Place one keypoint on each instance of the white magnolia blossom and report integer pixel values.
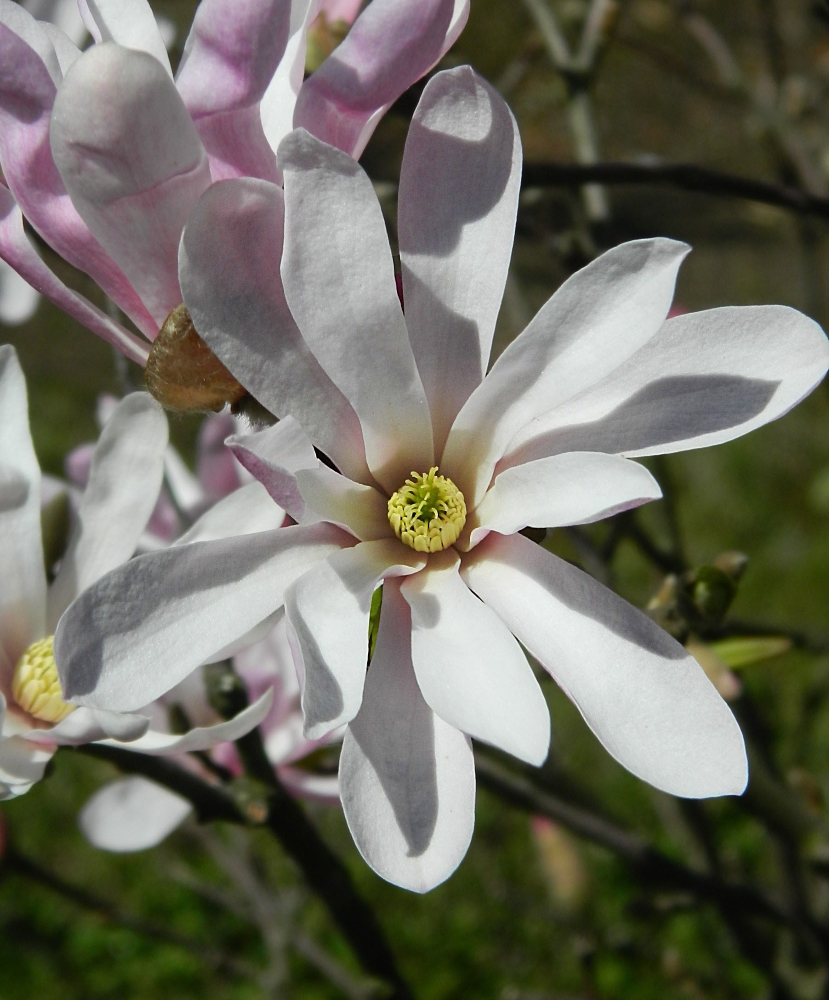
(438, 467)
(123, 485)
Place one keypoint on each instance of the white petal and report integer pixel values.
(229, 270)
(21, 765)
(573, 488)
(705, 378)
(277, 105)
(123, 487)
(470, 669)
(275, 455)
(86, 725)
(131, 814)
(328, 611)
(145, 626)
(130, 23)
(335, 239)
(18, 300)
(407, 779)
(244, 512)
(645, 698)
(22, 577)
(459, 188)
(362, 510)
(157, 744)
(597, 319)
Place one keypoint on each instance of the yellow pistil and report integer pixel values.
(35, 683)
(428, 512)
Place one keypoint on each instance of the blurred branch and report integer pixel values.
(324, 871)
(686, 176)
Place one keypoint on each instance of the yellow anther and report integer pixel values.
(35, 683)
(428, 512)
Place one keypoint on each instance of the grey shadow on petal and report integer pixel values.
(675, 408)
(328, 701)
(464, 185)
(14, 490)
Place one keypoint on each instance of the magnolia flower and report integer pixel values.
(105, 155)
(18, 300)
(124, 480)
(438, 467)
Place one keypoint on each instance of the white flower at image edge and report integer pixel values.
(124, 482)
(544, 439)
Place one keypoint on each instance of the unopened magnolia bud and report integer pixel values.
(182, 372)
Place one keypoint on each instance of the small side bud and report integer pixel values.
(183, 374)
(226, 692)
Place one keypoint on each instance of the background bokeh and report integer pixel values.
(535, 911)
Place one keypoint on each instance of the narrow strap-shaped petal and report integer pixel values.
(131, 814)
(22, 579)
(130, 23)
(216, 467)
(124, 483)
(391, 45)
(145, 626)
(229, 266)
(645, 698)
(21, 765)
(407, 778)
(85, 725)
(597, 319)
(157, 744)
(274, 456)
(328, 613)
(133, 163)
(469, 667)
(19, 253)
(362, 510)
(230, 57)
(279, 100)
(458, 198)
(27, 96)
(339, 284)
(705, 378)
(245, 511)
(573, 488)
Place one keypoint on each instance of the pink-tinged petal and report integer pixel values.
(574, 488)
(124, 482)
(595, 321)
(230, 57)
(705, 378)
(145, 626)
(85, 725)
(157, 744)
(229, 269)
(18, 299)
(279, 100)
(335, 239)
(328, 612)
(131, 814)
(341, 10)
(458, 199)
(362, 510)
(27, 95)
(248, 510)
(407, 778)
(645, 698)
(19, 253)
(274, 456)
(216, 468)
(392, 44)
(469, 667)
(133, 163)
(17, 19)
(23, 589)
(130, 23)
(307, 785)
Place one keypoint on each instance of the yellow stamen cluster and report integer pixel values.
(35, 683)
(428, 512)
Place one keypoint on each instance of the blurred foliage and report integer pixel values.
(535, 913)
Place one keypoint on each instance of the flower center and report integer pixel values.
(428, 512)
(35, 683)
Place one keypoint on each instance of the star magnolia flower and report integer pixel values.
(123, 484)
(439, 467)
(106, 155)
